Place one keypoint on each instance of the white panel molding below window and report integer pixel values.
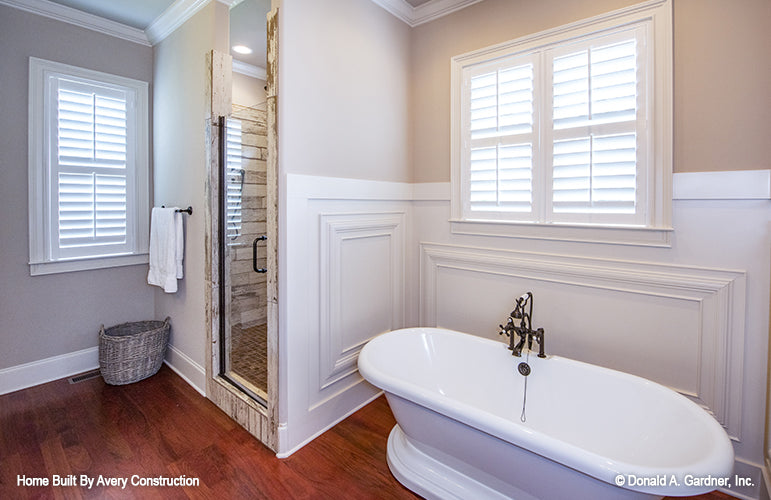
(79, 18)
(717, 294)
(337, 361)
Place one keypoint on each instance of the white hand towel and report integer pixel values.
(166, 241)
(180, 250)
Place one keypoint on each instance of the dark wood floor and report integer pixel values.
(162, 427)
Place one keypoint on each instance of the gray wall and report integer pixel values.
(44, 316)
(180, 109)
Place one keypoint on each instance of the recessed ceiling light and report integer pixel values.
(242, 49)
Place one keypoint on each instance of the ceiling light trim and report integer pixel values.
(79, 18)
(249, 70)
(429, 11)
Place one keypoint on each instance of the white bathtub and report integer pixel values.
(457, 399)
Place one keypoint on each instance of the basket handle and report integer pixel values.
(167, 321)
(101, 330)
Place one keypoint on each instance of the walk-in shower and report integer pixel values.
(243, 250)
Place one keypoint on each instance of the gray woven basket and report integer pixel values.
(130, 352)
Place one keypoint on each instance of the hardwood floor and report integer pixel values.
(162, 427)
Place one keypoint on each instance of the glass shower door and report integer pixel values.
(243, 252)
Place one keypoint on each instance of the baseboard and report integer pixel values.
(190, 371)
(755, 473)
(282, 429)
(46, 370)
(765, 486)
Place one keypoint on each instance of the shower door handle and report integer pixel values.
(260, 270)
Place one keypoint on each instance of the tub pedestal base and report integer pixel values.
(430, 478)
(434, 474)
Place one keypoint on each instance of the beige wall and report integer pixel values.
(248, 91)
(344, 88)
(722, 76)
(180, 111)
(51, 315)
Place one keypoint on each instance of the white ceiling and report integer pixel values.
(149, 21)
(138, 14)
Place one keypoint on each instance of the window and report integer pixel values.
(235, 179)
(569, 127)
(88, 179)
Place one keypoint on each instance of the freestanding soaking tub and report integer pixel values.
(589, 432)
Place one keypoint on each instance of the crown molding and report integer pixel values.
(429, 11)
(249, 70)
(172, 18)
(79, 18)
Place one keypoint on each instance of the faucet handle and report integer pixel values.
(505, 330)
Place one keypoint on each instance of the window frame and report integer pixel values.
(44, 255)
(655, 17)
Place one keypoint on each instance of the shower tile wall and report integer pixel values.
(248, 289)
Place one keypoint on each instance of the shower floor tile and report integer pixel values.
(249, 354)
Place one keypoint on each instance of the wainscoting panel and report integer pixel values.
(676, 325)
(361, 289)
(343, 282)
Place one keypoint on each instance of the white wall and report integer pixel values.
(344, 84)
(180, 112)
(343, 111)
(693, 317)
(52, 321)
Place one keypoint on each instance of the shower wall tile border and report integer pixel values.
(719, 295)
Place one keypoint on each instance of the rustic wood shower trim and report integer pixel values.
(258, 420)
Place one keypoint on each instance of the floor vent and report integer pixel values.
(85, 376)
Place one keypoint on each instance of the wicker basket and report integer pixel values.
(130, 352)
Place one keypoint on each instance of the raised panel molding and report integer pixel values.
(339, 234)
(717, 294)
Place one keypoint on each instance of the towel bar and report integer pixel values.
(188, 210)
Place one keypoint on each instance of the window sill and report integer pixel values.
(66, 266)
(611, 235)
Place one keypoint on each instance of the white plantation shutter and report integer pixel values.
(595, 130)
(501, 125)
(567, 133)
(89, 170)
(558, 134)
(235, 179)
